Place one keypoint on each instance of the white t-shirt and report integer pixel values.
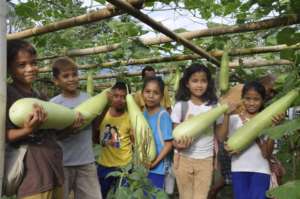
(249, 160)
(203, 146)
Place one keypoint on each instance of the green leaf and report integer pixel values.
(287, 127)
(289, 190)
(114, 174)
(285, 36)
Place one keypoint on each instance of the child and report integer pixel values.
(43, 175)
(161, 126)
(116, 138)
(250, 169)
(193, 159)
(78, 157)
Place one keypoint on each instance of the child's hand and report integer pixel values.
(232, 106)
(79, 120)
(230, 152)
(183, 143)
(277, 119)
(35, 119)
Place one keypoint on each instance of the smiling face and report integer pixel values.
(152, 94)
(197, 84)
(24, 70)
(68, 80)
(252, 101)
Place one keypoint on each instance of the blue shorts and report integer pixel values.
(250, 185)
(157, 180)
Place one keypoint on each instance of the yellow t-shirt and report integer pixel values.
(165, 102)
(116, 145)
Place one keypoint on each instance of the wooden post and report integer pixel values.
(101, 14)
(159, 27)
(3, 10)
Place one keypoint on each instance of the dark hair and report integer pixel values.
(159, 82)
(14, 47)
(147, 68)
(120, 85)
(61, 64)
(254, 85)
(183, 93)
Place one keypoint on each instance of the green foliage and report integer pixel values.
(134, 184)
(288, 127)
(289, 190)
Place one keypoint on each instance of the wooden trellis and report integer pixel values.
(101, 14)
(161, 39)
(216, 53)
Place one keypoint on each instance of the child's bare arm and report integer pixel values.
(32, 123)
(164, 152)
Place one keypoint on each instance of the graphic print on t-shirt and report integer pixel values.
(111, 136)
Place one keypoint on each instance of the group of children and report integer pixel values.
(53, 170)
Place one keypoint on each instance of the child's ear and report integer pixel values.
(54, 80)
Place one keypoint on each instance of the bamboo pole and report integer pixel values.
(3, 10)
(159, 27)
(101, 14)
(232, 65)
(247, 27)
(218, 53)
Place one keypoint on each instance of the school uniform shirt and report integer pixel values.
(43, 166)
(120, 153)
(166, 131)
(203, 146)
(251, 159)
(77, 147)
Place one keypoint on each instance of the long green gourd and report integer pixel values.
(245, 135)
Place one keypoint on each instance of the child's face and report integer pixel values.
(197, 84)
(68, 80)
(118, 99)
(24, 70)
(152, 94)
(252, 101)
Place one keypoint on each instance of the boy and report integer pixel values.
(78, 158)
(115, 137)
(43, 170)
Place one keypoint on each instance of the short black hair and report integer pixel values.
(158, 80)
(254, 85)
(14, 47)
(63, 63)
(120, 85)
(147, 68)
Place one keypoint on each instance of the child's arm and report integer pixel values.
(183, 143)
(164, 152)
(64, 133)
(222, 129)
(32, 123)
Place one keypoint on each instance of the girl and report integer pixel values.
(250, 169)
(193, 160)
(43, 168)
(161, 126)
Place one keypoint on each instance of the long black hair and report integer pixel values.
(183, 93)
(256, 86)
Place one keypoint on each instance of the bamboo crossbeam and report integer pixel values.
(247, 27)
(232, 65)
(218, 53)
(159, 27)
(108, 12)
